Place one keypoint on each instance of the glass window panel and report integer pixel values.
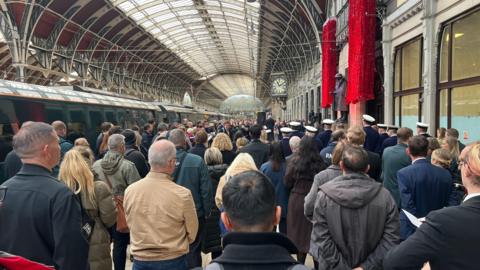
(409, 111)
(138, 16)
(126, 6)
(396, 86)
(466, 112)
(411, 65)
(443, 108)
(400, 2)
(444, 54)
(396, 119)
(156, 8)
(164, 17)
(466, 55)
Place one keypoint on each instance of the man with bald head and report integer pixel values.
(161, 215)
(40, 218)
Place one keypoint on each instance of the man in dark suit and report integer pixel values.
(258, 150)
(393, 159)
(423, 186)
(356, 136)
(270, 123)
(391, 140)
(326, 134)
(449, 237)
(383, 135)
(372, 136)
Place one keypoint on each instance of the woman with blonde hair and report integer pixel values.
(442, 158)
(242, 163)
(224, 144)
(240, 143)
(96, 200)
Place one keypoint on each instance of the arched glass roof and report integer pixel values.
(242, 103)
(234, 84)
(212, 36)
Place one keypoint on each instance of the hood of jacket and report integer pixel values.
(216, 171)
(111, 162)
(352, 190)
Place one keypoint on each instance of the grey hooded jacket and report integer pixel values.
(355, 223)
(119, 171)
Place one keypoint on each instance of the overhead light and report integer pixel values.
(459, 35)
(251, 1)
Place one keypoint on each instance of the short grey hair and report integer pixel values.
(294, 142)
(115, 141)
(31, 138)
(177, 137)
(158, 158)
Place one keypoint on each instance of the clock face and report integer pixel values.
(279, 86)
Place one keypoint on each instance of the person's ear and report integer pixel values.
(278, 215)
(368, 168)
(342, 165)
(226, 221)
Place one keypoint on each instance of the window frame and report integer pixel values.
(450, 84)
(411, 91)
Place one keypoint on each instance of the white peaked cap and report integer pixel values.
(328, 121)
(295, 124)
(422, 125)
(311, 129)
(368, 118)
(286, 130)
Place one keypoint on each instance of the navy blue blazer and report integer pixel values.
(448, 240)
(285, 142)
(371, 140)
(297, 133)
(423, 188)
(390, 141)
(324, 137)
(381, 139)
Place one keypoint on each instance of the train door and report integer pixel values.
(96, 120)
(77, 122)
(110, 116)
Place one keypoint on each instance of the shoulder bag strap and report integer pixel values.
(108, 181)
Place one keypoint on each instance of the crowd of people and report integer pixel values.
(359, 197)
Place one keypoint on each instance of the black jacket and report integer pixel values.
(258, 150)
(212, 241)
(199, 150)
(135, 156)
(448, 240)
(256, 251)
(41, 220)
(375, 165)
(13, 163)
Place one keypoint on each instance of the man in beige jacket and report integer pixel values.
(161, 215)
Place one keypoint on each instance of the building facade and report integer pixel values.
(432, 65)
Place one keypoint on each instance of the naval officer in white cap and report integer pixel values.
(285, 142)
(422, 129)
(324, 137)
(312, 132)
(372, 137)
(382, 131)
(296, 126)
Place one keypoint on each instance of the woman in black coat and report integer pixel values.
(301, 169)
(212, 241)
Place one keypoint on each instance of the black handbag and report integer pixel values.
(88, 223)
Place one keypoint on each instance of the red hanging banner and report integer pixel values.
(329, 61)
(361, 50)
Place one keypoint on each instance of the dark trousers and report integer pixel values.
(283, 225)
(120, 243)
(194, 256)
(179, 263)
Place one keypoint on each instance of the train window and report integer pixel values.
(110, 116)
(8, 127)
(76, 125)
(96, 120)
(121, 118)
(54, 114)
